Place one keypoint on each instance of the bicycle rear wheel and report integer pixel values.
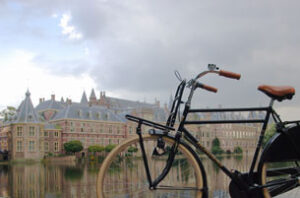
(123, 174)
(282, 179)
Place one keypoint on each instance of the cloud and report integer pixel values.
(134, 46)
(68, 29)
(22, 73)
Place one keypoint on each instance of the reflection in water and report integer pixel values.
(57, 181)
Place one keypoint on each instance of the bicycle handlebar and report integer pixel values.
(229, 74)
(207, 87)
(214, 69)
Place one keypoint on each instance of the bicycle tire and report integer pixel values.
(272, 172)
(185, 174)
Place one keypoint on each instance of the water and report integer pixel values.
(79, 180)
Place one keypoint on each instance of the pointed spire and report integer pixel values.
(84, 100)
(93, 95)
(93, 99)
(26, 111)
(27, 94)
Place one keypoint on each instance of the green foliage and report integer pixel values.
(8, 113)
(95, 148)
(238, 150)
(109, 147)
(132, 149)
(73, 146)
(271, 130)
(216, 149)
(216, 142)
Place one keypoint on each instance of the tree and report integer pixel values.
(95, 148)
(109, 147)
(7, 113)
(238, 150)
(132, 149)
(73, 146)
(271, 130)
(216, 149)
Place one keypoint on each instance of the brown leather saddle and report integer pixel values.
(278, 92)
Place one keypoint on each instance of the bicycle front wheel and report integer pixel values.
(123, 174)
(282, 179)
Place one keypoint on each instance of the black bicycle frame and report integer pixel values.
(183, 132)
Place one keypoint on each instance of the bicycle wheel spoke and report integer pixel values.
(125, 175)
(281, 179)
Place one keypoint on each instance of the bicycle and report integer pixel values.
(165, 162)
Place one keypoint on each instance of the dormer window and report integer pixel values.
(98, 115)
(79, 113)
(105, 116)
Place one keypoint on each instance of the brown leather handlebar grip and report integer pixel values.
(229, 74)
(209, 88)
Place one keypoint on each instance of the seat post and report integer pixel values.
(271, 102)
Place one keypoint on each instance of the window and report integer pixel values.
(118, 130)
(19, 146)
(110, 129)
(46, 133)
(31, 146)
(130, 130)
(46, 146)
(56, 134)
(56, 146)
(19, 131)
(31, 131)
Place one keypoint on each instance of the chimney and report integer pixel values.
(52, 97)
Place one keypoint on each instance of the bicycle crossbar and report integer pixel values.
(229, 109)
(225, 121)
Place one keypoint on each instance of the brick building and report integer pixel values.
(35, 132)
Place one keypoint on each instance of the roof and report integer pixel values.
(26, 111)
(83, 112)
(127, 104)
(93, 95)
(84, 100)
(50, 104)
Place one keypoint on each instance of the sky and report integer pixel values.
(131, 48)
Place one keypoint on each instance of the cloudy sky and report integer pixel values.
(130, 49)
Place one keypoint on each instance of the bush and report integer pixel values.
(216, 149)
(95, 148)
(132, 149)
(109, 147)
(238, 150)
(73, 146)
